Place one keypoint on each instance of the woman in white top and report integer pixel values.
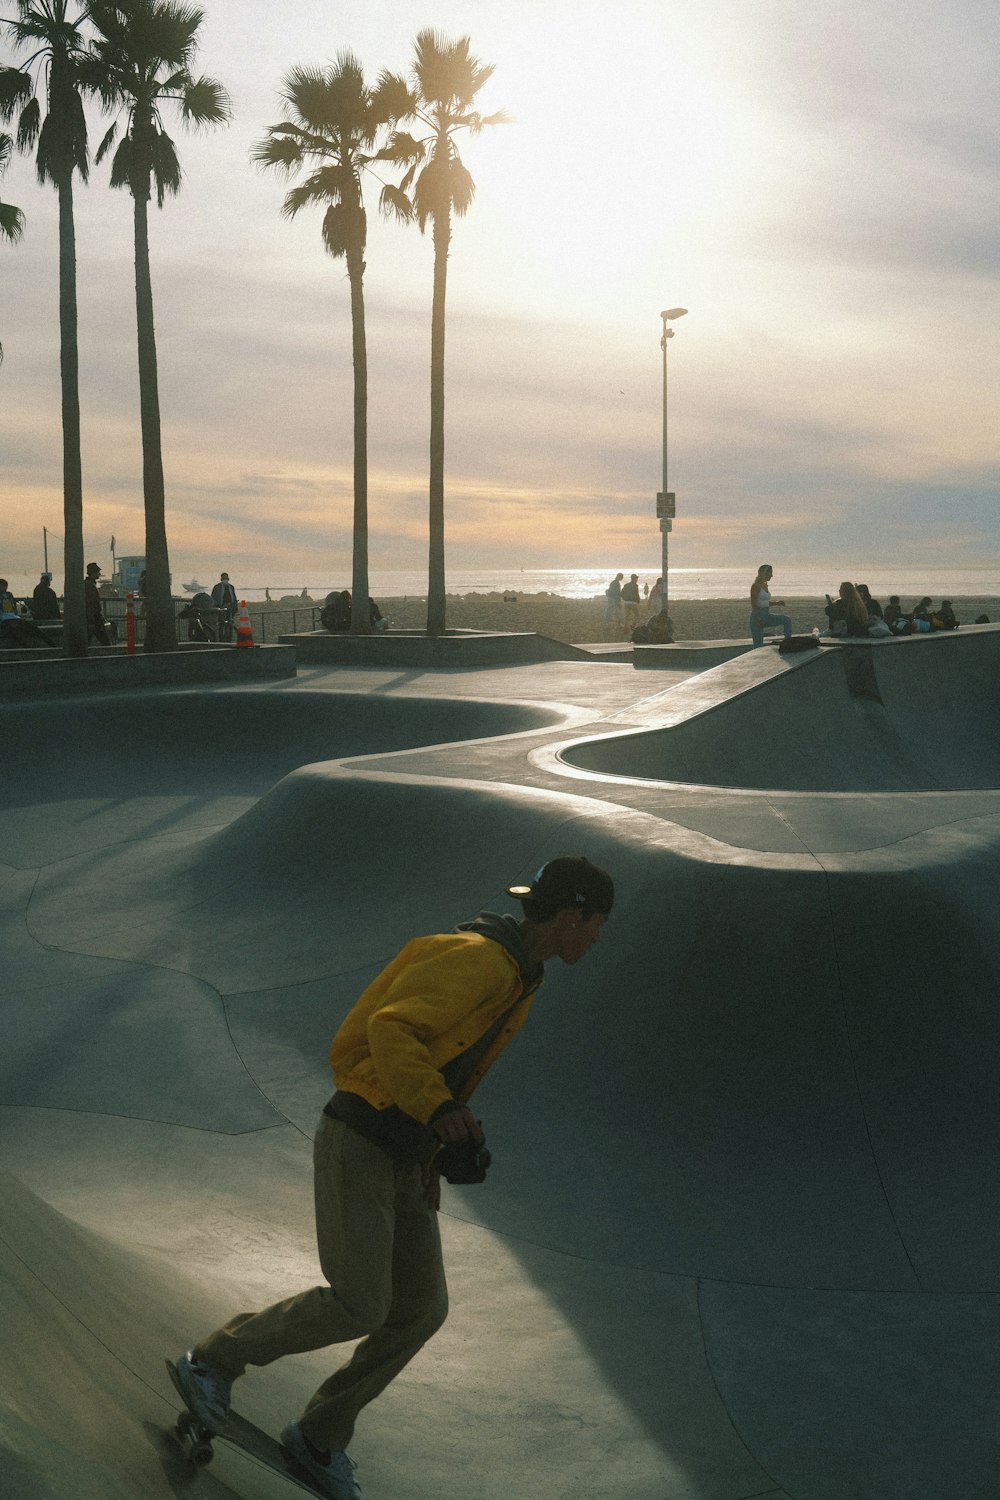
(760, 606)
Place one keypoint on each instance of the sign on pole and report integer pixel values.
(666, 505)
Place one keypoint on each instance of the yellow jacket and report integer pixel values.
(433, 1002)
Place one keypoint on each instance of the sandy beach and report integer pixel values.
(582, 621)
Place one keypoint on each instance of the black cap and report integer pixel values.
(566, 882)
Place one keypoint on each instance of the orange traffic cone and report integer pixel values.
(244, 634)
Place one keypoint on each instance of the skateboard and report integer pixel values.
(196, 1438)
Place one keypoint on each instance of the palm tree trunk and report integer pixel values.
(74, 607)
(436, 607)
(161, 626)
(361, 623)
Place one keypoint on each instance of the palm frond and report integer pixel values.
(166, 166)
(11, 222)
(344, 229)
(28, 125)
(461, 187)
(205, 102)
(394, 204)
(446, 72)
(329, 184)
(283, 152)
(16, 90)
(109, 139)
(392, 98)
(121, 164)
(401, 148)
(477, 122)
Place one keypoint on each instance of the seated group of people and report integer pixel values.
(336, 614)
(17, 629)
(855, 613)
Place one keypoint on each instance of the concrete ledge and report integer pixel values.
(697, 654)
(44, 674)
(414, 648)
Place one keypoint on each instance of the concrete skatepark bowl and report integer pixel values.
(742, 1235)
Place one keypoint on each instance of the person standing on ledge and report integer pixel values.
(760, 606)
(405, 1063)
(225, 600)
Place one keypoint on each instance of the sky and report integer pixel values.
(816, 184)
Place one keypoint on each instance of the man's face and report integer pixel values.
(575, 936)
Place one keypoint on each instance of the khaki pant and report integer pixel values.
(380, 1250)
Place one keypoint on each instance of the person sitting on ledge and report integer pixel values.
(945, 617)
(336, 616)
(659, 631)
(894, 617)
(920, 615)
(15, 630)
(848, 613)
(44, 603)
(872, 605)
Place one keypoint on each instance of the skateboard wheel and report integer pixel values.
(185, 1422)
(201, 1454)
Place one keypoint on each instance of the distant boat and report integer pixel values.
(195, 588)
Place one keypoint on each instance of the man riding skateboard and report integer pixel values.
(405, 1062)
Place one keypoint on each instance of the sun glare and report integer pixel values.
(629, 146)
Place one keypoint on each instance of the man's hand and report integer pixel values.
(458, 1125)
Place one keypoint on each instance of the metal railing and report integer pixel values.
(268, 621)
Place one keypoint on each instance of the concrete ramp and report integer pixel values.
(741, 1237)
(921, 713)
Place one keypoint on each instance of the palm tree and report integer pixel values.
(334, 127)
(447, 79)
(141, 59)
(11, 218)
(55, 38)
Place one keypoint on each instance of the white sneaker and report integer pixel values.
(335, 1477)
(207, 1391)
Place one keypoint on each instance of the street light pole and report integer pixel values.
(665, 502)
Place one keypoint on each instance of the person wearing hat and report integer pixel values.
(405, 1063)
(97, 629)
(44, 604)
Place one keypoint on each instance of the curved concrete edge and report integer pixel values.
(689, 918)
(456, 648)
(115, 671)
(917, 714)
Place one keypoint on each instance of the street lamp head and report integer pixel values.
(673, 312)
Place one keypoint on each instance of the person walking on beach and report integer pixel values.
(225, 600)
(761, 604)
(613, 594)
(405, 1062)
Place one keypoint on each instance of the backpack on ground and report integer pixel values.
(793, 643)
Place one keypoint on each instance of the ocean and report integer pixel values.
(791, 582)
